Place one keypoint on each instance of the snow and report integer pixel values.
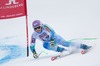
(72, 19)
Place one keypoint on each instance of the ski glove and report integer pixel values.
(52, 43)
(35, 55)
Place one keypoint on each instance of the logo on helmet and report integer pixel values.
(35, 24)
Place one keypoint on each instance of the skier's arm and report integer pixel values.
(32, 47)
(32, 44)
(49, 29)
(52, 32)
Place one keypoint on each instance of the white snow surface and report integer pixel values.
(70, 19)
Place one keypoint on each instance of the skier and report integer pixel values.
(50, 39)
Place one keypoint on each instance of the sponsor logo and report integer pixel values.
(11, 2)
(12, 8)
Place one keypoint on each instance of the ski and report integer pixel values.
(60, 56)
(54, 57)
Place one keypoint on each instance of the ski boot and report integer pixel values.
(85, 48)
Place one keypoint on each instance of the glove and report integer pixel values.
(35, 55)
(52, 44)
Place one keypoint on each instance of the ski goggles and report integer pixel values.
(37, 28)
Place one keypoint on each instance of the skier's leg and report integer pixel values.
(59, 40)
(74, 46)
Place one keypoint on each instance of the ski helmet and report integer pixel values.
(36, 23)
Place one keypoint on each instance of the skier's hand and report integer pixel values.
(35, 55)
(52, 44)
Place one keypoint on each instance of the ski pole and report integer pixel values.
(41, 53)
